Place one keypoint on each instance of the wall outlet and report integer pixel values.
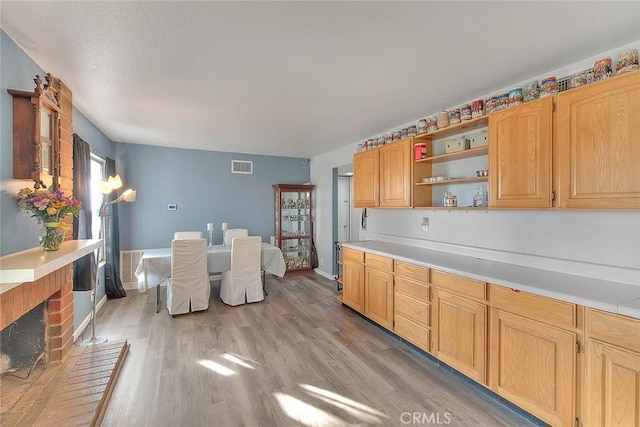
(424, 224)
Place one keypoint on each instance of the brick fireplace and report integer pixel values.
(56, 289)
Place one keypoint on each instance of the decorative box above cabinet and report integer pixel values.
(36, 133)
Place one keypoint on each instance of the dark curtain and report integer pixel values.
(84, 271)
(113, 284)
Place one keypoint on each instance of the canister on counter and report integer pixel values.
(531, 91)
(477, 108)
(515, 96)
(466, 112)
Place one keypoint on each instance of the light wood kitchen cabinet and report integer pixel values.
(533, 354)
(396, 176)
(378, 296)
(353, 279)
(520, 152)
(598, 140)
(411, 304)
(612, 384)
(366, 179)
(459, 323)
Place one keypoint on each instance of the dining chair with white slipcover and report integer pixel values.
(187, 235)
(243, 283)
(188, 288)
(234, 232)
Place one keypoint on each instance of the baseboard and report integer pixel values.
(324, 274)
(133, 286)
(87, 320)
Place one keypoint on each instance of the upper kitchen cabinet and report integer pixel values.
(395, 174)
(366, 179)
(598, 145)
(36, 133)
(520, 151)
(383, 177)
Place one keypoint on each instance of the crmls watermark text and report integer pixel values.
(426, 418)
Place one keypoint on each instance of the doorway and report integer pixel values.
(342, 215)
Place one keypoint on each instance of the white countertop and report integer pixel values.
(613, 297)
(32, 264)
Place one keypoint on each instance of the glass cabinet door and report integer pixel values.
(293, 230)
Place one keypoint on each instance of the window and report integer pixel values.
(97, 176)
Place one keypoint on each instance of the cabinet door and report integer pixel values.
(612, 386)
(520, 156)
(353, 286)
(598, 137)
(366, 179)
(459, 333)
(378, 297)
(533, 365)
(396, 178)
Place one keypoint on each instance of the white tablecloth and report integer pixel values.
(155, 265)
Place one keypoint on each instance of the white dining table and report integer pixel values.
(155, 264)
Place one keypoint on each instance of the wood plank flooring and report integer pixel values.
(297, 358)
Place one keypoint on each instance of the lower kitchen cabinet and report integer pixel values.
(378, 297)
(533, 355)
(353, 279)
(612, 381)
(459, 323)
(411, 303)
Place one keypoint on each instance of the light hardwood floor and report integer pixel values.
(297, 358)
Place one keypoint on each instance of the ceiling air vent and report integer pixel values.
(241, 166)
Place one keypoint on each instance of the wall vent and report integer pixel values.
(241, 166)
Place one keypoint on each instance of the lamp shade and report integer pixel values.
(129, 195)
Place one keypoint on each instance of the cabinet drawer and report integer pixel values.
(410, 271)
(412, 332)
(543, 309)
(378, 262)
(460, 285)
(411, 308)
(412, 289)
(616, 329)
(352, 254)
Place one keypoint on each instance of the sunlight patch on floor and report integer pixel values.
(305, 413)
(359, 410)
(235, 359)
(216, 367)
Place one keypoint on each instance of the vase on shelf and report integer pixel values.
(51, 236)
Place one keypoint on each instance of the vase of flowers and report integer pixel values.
(49, 207)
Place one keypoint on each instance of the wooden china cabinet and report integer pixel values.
(36, 133)
(293, 210)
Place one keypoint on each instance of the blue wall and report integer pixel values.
(203, 187)
(18, 230)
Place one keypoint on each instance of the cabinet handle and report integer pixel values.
(515, 290)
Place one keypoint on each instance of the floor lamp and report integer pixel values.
(113, 183)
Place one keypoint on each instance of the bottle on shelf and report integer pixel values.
(479, 199)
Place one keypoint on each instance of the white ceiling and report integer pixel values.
(297, 78)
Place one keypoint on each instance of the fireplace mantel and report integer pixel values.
(32, 264)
